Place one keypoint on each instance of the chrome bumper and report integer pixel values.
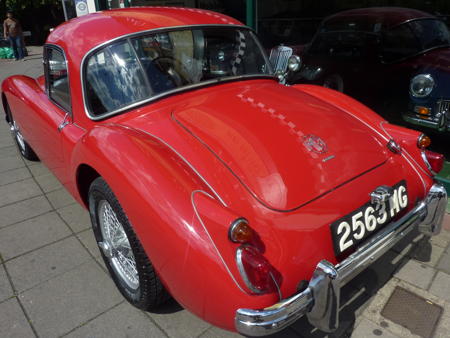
(441, 124)
(320, 300)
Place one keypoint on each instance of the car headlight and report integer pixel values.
(421, 85)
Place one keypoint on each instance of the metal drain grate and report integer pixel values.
(417, 314)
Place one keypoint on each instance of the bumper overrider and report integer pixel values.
(321, 299)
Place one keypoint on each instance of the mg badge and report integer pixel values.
(314, 143)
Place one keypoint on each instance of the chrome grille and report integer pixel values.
(279, 57)
(444, 107)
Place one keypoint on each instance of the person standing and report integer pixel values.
(13, 31)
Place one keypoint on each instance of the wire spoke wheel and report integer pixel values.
(116, 246)
(24, 148)
(123, 254)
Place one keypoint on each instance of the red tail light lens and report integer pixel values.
(434, 161)
(256, 270)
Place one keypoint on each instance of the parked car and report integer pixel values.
(250, 202)
(396, 60)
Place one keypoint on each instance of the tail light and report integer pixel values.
(434, 161)
(256, 270)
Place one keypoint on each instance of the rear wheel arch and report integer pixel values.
(137, 282)
(4, 103)
(84, 178)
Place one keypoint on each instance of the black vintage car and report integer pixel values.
(396, 60)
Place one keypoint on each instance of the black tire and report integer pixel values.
(335, 82)
(24, 148)
(150, 293)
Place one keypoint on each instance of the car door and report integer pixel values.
(57, 113)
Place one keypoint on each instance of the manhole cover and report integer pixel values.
(413, 312)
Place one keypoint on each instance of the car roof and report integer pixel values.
(386, 16)
(78, 36)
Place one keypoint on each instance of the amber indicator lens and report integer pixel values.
(423, 110)
(240, 231)
(423, 142)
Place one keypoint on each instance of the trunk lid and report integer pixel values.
(286, 147)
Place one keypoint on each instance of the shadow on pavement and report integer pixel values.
(357, 294)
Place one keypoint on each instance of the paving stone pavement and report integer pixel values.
(54, 284)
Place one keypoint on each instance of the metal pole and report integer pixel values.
(65, 10)
(256, 16)
(250, 15)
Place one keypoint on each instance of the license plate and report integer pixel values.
(350, 230)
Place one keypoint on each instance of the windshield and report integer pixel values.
(414, 37)
(134, 70)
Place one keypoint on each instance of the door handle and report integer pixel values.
(64, 123)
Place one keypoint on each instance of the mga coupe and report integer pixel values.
(402, 54)
(250, 202)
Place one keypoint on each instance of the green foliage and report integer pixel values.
(19, 5)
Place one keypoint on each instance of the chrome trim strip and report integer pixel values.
(408, 158)
(320, 300)
(424, 158)
(210, 238)
(168, 93)
(77, 125)
(181, 156)
(424, 185)
(242, 270)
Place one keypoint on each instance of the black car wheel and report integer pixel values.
(122, 251)
(24, 148)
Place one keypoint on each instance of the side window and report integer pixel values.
(114, 79)
(57, 78)
(399, 43)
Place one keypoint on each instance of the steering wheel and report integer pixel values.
(174, 68)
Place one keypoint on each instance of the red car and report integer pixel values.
(250, 202)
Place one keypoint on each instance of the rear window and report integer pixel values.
(131, 71)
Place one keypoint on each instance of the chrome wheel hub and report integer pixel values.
(116, 247)
(17, 134)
